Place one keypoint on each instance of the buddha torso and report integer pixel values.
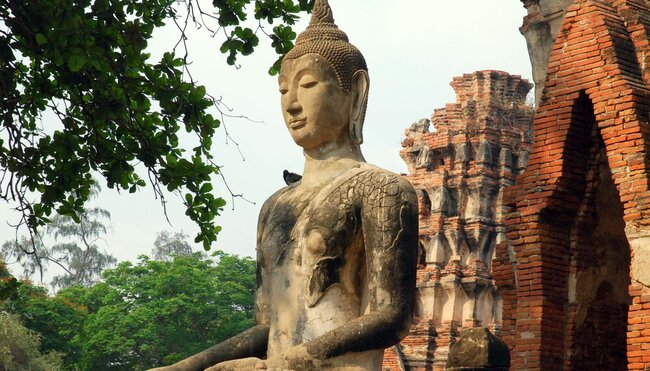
(311, 247)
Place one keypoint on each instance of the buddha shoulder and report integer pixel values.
(379, 183)
(270, 202)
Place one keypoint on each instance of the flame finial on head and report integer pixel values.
(321, 13)
(324, 38)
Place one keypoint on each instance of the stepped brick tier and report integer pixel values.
(574, 273)
(477, 147)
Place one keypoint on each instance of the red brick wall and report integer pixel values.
(600, 59)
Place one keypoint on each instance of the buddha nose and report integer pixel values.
(294, 107)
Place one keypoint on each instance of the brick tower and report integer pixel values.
(476, 148)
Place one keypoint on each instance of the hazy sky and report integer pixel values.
(413, 49)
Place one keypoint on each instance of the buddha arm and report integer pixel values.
(250, 343)
(390, 228)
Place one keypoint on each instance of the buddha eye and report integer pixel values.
(284, 91)
(308, 84)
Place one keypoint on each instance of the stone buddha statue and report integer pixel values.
(337, 250)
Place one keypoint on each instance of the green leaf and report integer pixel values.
(41, 39)
(206, 188)
(76, 62)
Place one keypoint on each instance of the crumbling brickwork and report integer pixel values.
(578, 239)
(476, 148)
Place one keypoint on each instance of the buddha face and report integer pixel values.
(315, 109)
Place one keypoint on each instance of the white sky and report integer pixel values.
(413, 49)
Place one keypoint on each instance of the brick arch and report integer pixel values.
(594, 54)
(599, 56)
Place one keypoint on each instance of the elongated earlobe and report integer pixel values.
(360, 87)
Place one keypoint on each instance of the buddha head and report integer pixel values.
(324, 84)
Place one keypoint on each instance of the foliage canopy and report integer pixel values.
(142, 315)
(159, 312)
(79, 94)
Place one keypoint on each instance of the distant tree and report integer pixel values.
(29, 254)
(79, 256)
(19, 348)
(82, 258)
(167, 245)
(79, 94)
(84, 266)
(158, 312)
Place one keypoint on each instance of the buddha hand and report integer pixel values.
(295, 358)
(244, 364)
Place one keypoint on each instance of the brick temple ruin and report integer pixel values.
(459, 164)
(536, 225)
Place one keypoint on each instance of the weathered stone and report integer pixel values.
(478, 349)
(540, 29)
(641, 262)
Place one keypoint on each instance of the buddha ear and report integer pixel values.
(360, 86)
